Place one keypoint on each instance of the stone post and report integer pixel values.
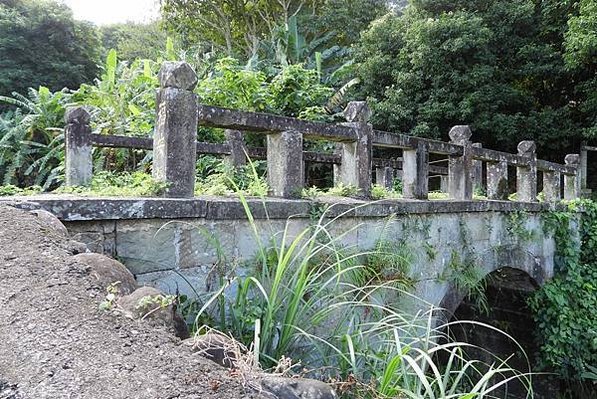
(583, 165)
(460, 182)
(526, 176)
(79, 163)
(415, 172)
(572, 182)
(175, 138)
(384, 176)
(285, 167)
(356, 166)
(552, 186)
(238, 156)
(444, 184)
(477, 171)
(497, 180)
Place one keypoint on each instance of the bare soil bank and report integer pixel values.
(56, 343)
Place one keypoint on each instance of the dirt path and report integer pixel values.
(56, 343)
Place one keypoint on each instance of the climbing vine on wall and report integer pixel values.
(565, 309)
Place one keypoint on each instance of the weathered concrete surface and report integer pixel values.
(175, 141)
(79, 164)
(355, 169)
(526, 176)
(497, 180)
(238, 149)
(174, 251)
(415, 171)
(285, 166)
(552, 186)
(384, 176)
(572, 183)
(460, 168)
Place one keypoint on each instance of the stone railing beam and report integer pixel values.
(175, 139)
(526, 176)
(79, 162)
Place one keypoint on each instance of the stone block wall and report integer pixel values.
(186, 255)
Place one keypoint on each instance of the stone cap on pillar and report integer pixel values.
(357, 111)
(178, 75)
(572, 159)
(460, 134)
(527, 147)
(78, 116)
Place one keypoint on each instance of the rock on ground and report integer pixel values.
(56, 343)
(108, 271)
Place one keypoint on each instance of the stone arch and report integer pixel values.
(515, 272)
(514, 256)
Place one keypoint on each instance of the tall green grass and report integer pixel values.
(307, 291)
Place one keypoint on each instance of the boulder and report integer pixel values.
(216, 347)
(296, 388)
(77, 247)
(107, 271)
(148, 303)
(50, 221)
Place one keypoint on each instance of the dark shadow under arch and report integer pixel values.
(507, 290)
(506, 256)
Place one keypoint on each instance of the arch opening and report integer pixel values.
(504, 307)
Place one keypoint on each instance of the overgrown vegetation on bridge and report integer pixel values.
(310, 305)
(565, 307)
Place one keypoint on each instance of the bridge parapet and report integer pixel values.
(169, 243)
(175, 148)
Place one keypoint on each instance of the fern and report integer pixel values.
(31, 139)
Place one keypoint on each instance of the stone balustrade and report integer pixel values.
(175, 148)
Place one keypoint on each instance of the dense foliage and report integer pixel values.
(135, 41)
(565, 307)
(122, 101)
(41, 44)
(272, 30)
(509, 69)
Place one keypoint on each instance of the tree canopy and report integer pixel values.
(498, 65)
(134, 40)
(41, 44)
(247, 29)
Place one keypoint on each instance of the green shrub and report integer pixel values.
(122, 102)
(123, 184)
(564, 308)
(379, 192)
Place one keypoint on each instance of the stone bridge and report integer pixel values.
(174, 244)
(171, 242)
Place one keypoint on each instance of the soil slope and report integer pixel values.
(56, 343)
